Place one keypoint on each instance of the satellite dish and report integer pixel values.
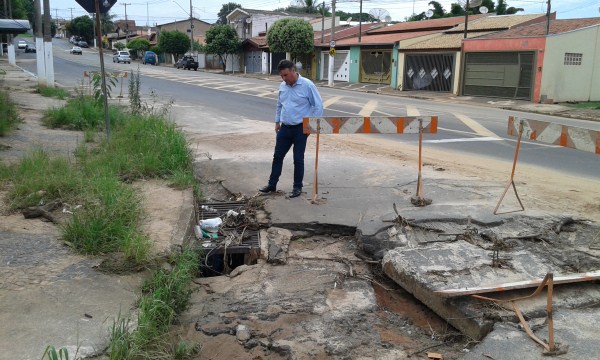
(248, 20)
(429, 13)
(348, 20)
(483, 10)
(379, 14)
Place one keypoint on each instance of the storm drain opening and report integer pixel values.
(228, 234)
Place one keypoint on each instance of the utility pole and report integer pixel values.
(548, 19)
(331, 46)
(39, 43)
(360, 22)
(48, 46)
(191, 31)
(466, 18)
(11, 47)
(126, 25)
(71, 13)
(323, 23)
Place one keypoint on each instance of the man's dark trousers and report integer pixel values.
(286, 137)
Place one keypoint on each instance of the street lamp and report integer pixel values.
(191, 26)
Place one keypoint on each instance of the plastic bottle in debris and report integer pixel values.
(211, 225)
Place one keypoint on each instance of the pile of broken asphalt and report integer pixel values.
(333, 312)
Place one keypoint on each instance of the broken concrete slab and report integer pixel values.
(274, 243)
(572, 328)
(462, 263)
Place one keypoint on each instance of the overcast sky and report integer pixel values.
(164, 11)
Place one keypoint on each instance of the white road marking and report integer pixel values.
(368, 108)
(226, 86)
(463, 140)
(474, 125)
(327, 103)
(412, 111)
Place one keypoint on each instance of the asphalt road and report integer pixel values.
(473, 129)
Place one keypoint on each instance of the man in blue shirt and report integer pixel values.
(298, 98)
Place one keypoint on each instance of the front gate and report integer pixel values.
(432, 72)
(376, 66)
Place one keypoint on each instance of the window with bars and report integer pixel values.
(573, 58)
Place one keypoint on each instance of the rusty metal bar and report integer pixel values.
(512, 175)
(316, 179)
(420, 178)
(549, 311)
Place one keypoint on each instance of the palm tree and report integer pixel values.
(107, 23)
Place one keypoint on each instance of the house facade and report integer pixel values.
(525, 63)
(252, 27)
(200, 27)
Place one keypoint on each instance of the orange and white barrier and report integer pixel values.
(372, 125)
(556, 134)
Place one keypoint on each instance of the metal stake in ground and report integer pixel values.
(512, 175)
(316, 180)
(419, 200)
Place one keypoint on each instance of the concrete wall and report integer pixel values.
(536, 44)
(572, 82)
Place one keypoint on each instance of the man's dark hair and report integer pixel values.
(285, 64)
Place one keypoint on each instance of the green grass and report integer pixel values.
(82, 113)
(594, 105)
(53, 92)
(9, 117)
(164, 296)
(107, 210)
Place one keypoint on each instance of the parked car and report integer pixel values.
(76, 50)
(150, 58)
(122, 57)
(187, 62)
(82, 44)
(30, 48)
(22, 44)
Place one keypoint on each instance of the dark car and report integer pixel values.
(150, 57)
(82, 44)
(29, 48)
(187, 62)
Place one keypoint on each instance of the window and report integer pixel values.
(573, 59)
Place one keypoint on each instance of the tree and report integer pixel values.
(225, 10)
(138, 46)
(107, 23)
(174, 42)
(222, 40)
(82, 26)
(295, 36)
(119, 46)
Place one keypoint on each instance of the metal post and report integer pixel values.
(102, 73)
(331, 58)
(360, 23)
(323, 23)
(548, 19)
(512, 174)
(191, 31)
(316, 180)
(126, 25)
(466, 18)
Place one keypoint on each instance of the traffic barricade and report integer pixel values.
(372, 125)
(549, 133)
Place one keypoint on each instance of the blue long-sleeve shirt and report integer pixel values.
(298, 101)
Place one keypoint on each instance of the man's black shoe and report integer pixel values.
(267, 189)
(295, 193)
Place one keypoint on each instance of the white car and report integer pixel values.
(122, 57)
(22, 44)
(76, 50)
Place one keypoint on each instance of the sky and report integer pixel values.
(150, 12)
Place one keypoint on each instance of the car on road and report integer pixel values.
(76, 50)
(187, 62)
(22, 44)
(29, 48)
(82, 44)
(122, 57)
(150, 58)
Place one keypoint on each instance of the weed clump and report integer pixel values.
(9, 117)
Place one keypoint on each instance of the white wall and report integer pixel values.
(562, 82)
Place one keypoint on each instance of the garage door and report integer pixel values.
(505, 75)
